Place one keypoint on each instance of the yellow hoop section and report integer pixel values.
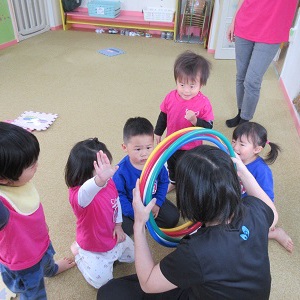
(183, 226)
(164, 142)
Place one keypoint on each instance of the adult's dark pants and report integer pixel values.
(128, 288)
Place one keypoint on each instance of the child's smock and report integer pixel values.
(175, 108)
(96, 222)
(24, 239)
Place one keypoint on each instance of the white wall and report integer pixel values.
(214, 27)
(290, 74)
(54, 13)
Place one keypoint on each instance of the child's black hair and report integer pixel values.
(257, 134)
(19, 149)
(191, 65)
(80, 164)
(137, 126)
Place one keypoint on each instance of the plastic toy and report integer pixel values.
(35, 120)
(171, 237)
(111, 51)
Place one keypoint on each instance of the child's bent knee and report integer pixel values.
(98, 282)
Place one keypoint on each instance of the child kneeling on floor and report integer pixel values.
(248, 141)
(100, 239)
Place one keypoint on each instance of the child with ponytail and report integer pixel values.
(248, 140)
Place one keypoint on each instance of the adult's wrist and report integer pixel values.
(139, 227)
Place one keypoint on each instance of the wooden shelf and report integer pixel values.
(79, 18)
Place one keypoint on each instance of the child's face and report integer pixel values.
(245, 149)
(138, 149)
(187, 89)
(26, 176)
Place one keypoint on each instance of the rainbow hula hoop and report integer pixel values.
(171, 237)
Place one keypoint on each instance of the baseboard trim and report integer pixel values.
(59, 27)
(8, 44)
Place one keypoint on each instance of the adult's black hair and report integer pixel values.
(207, 186)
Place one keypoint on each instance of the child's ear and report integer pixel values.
(258, 149)
(4, 181)
(124, 147)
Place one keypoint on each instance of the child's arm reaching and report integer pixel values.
(252, 187)
(120, 182)
(204, 124)
(104, 171)
(157, 138)
(160, 127)
(162, 183)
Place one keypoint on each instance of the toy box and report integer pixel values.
(158, 14)
(104, 9)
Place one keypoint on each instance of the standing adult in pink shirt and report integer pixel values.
(258, 27)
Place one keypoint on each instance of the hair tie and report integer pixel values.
(268, 142)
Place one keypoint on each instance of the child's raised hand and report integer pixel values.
(119, 234)
(103, 168)
(190, 115)
(141, 212)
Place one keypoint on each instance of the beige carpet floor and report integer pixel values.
(93, 95)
